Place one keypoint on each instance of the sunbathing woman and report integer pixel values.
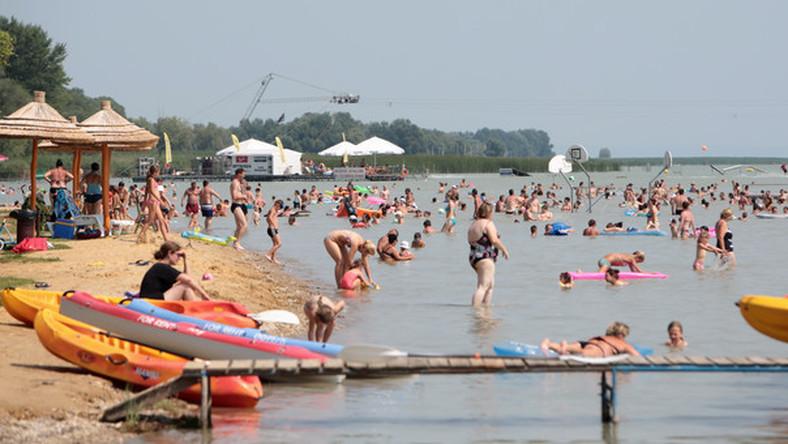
(611, 344)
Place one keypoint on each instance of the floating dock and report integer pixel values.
(200, 371)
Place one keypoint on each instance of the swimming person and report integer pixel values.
(565, 280)
(622, 259)
(164, 281)
(725, 237)
(676, 336)
(342, 246)
(354, 279)
(322, 314)
(418, 242)
(612, 278)
(613, 343)
(702, 247)
(238, 208)
(272, 219)
(484, 244)
(591, 229)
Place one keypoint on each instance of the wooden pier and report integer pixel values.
(200, 371)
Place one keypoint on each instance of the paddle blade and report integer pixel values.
(276, 317)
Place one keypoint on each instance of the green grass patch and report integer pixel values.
(8, 257)
(13, 281)
(60, 246)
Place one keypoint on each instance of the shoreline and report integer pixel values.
(76, 398)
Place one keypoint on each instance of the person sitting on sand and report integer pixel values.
(612, 278)
(164, 281)
(591, 229)
(613, 343)
(417, 242)
(622, 259)
(676, 336)
(322, 314)
(565, 280)
(354, 279)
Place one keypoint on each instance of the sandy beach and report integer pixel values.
(43, 398)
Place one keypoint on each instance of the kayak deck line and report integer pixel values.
(200, 371)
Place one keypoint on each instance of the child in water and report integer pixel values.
(354, 279)
(612, 278)
(533, 230)
(676, 336)
(565, 281)
(702, 247)
(418, 242)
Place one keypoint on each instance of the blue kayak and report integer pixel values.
(634, 233)
(514, 349)
(147, 308)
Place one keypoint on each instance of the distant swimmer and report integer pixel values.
(418, 241)
(485, 245)
(676, 336)
(565, 280)
(322, 314)
(621, 260)
(612, 277)
(591, 229)
(613, 343)
(702, 247)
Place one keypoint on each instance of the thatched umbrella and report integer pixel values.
(37, 121)
(111, 132)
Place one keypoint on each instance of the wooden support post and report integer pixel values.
(608, 395)
(147, 397)
(205, 400)
(76, 163)
(105, 172)
(33, 167)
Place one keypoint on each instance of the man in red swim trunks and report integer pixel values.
(192, 198)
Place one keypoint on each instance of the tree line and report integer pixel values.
(30, 60)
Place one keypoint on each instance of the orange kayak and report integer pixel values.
(87, 347)
(23, 304)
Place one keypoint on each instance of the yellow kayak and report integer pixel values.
(23, 304)
(767, 314)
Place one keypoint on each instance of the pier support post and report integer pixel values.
(608, 395)
(205, 400)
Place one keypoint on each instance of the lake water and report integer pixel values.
(423, 306)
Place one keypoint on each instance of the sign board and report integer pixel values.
(577, 153)
(355, 173)
(254, 164)
(558, 164)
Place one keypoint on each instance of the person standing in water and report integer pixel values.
(238, 207)
(485, 246)
(725, 237)
(207, 193)
(192, 209)
(272, 219)
(342, 246)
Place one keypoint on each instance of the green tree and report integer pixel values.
(604, 153)
(6, 49)
(494, 149)
(36, 63)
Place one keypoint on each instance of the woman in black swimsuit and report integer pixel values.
(613, 343)
(485, 246)
(725, 237)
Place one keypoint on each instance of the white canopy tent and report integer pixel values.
(376, 145)
(340, 149)
(258, 157)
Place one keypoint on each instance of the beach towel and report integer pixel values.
(31, 244)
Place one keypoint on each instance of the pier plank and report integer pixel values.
(700, 360)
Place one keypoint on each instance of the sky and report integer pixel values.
(636, 77)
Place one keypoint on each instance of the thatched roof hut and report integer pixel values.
(37, 120)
